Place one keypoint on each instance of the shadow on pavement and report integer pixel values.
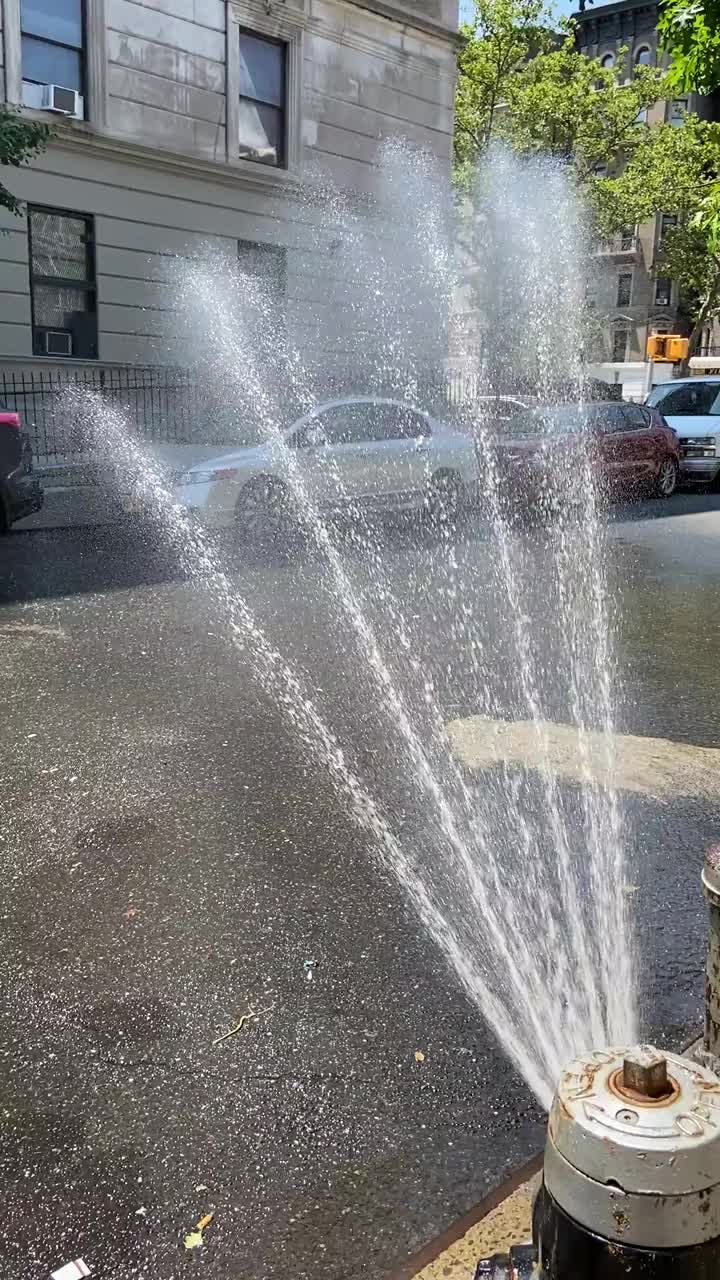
(47, 563)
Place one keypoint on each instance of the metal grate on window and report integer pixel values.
(62, 283)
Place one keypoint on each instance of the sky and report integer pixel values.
(561, 8)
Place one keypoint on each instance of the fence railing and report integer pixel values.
(158, 403)
(174, 406)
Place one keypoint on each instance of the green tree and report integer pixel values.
(521, 81)
(675, 171)
(690, 32)
(20, 140)
(528, 86)
(502, 36)
(565, 104)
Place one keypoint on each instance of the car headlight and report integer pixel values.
(205, 477)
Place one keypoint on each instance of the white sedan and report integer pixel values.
(359, 454)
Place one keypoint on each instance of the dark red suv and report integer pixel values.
(629, 447)
(20, 492)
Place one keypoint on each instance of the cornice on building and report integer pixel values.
(407, 14)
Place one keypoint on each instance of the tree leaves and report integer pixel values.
(690, 32)
(20, 140)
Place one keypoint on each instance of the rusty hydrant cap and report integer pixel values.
(637, 1128)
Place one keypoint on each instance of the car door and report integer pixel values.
(399, 464)
(641, 448)
(334, 451)
(620, 445)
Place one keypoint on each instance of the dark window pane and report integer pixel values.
(50, 64)
(59, 245)
(624, 290)
(609, 418)
(262, 70)
(619, 344)
(663, 291)
(692, 399)
(351, 423)
(59, 20)
(635, 417)
(404, 424)
(262, 132)
(54, 306)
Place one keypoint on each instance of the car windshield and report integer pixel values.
(687, 400)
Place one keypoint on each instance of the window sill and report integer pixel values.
(100, 142)
(267, 174)
(57, 121)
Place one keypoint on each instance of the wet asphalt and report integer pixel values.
(172, 856)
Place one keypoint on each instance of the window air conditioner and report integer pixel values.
(56, 343)
(66, 102)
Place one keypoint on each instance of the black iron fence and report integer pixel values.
(157, 402)
(165, 405)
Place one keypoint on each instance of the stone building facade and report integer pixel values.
(628, 297)
(186, 122)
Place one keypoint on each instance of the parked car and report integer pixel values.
(692, 408)
(20, 492)
(362, 453)
(628, 447)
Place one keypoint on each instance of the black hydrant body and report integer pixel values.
(631, 1176)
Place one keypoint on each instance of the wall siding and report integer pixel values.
(365, 79)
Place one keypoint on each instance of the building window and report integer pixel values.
(263, 99)
(619, 344)
(678, 111)
(607, 60)
(627, 241)
(62, 284)
(624, 288)
(53, 36)
(663, 291)
(667, 221)
(643, 57)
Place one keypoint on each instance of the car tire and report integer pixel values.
(264, 514)
(446, 501)
(666, 481)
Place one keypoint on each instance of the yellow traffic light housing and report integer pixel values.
(666, 347)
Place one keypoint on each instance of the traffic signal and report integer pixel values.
(667, 347)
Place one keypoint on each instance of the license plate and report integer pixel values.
(131, 505)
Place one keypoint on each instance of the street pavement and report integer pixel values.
(172, 855)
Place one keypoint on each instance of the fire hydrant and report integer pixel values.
(631, 1177)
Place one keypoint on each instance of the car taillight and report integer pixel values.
(10, 420)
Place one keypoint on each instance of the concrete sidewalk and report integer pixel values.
(501, 1220)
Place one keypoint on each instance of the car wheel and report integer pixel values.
(666, 481)
(264, 513)
(446, 499)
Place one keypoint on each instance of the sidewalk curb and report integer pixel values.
(435, 1248)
